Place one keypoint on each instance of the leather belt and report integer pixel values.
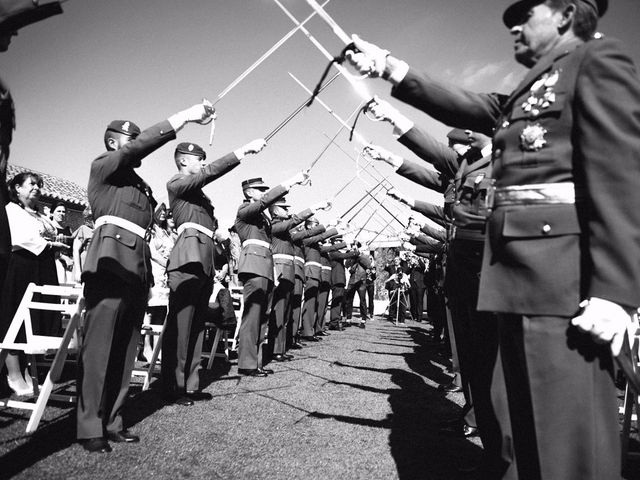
(313, 264)
(298, 259)
(535, 194)
(255, 241)
(122, 223)
(282, 256)
(326, 268)
(196, 226)
(468, 234)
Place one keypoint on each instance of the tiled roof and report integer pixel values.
(55, 188)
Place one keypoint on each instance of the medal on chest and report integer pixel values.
(541, 96)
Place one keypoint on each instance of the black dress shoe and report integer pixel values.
(449, 388)
(123, 436)
(96, 445)
(198, 396)
(266, 371)
(310, 339)
(252, 372)
(280, 358)
(322, 334)
(297, 346)
(176, 399)
(361, 325)
(288, 356)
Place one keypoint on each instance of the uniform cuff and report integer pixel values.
(395, 70)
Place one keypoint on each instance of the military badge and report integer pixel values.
(542, 94)
(126, 126)
(532, 138)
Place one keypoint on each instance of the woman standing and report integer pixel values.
(162, 240)
(34, 246)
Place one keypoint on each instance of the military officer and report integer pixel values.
(297, 236)
(190, 267)
(562, 235)
(117, 274)
(313, 277)
(338, 282)
(358, 267)
(284, 272)
(255, 266)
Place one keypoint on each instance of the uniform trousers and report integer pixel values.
(294, 322)
(280, 312)
(256, 292)
(323, 299)
(189, 292)
(310, 306)
(416, 298)
(350, 295)
(370, 289)
(476, 335)
(115, 310)
(561, 400)
(337, 300)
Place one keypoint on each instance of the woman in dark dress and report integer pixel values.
(34, 245)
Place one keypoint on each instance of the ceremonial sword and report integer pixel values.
(257, 63)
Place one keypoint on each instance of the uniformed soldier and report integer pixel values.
(297, 236)
(357, 267)
(313, 277)
(338, 283)
(117, 274)
(566, 164)
(284, 272)
(190, 267)
(255, 267)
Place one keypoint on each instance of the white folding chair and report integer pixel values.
(221, 334)
(154, 364)
(69, 302)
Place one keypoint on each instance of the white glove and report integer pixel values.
(404, 236)
(376, 152)
(322, 205)
(605, 320)
(383, 110)
(370, 60)
(254, 146)
(409, 246)
(201, 113)
(300, 178)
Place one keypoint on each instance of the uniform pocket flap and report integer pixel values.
(541, 221)
(120, 235)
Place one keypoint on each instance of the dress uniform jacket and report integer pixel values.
(298, 247)
(252, 223)
(282, 244)
(189, 204)
(338, 274)
(116, 189)
(574, 123)
(544, 259)
(312, 256)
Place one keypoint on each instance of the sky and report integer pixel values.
(144, 60)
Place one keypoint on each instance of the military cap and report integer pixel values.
(311, 221)
(191, 149)
(514, 14)
(15, 14)
(125, 127)
(255, 183)
(457, 135)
